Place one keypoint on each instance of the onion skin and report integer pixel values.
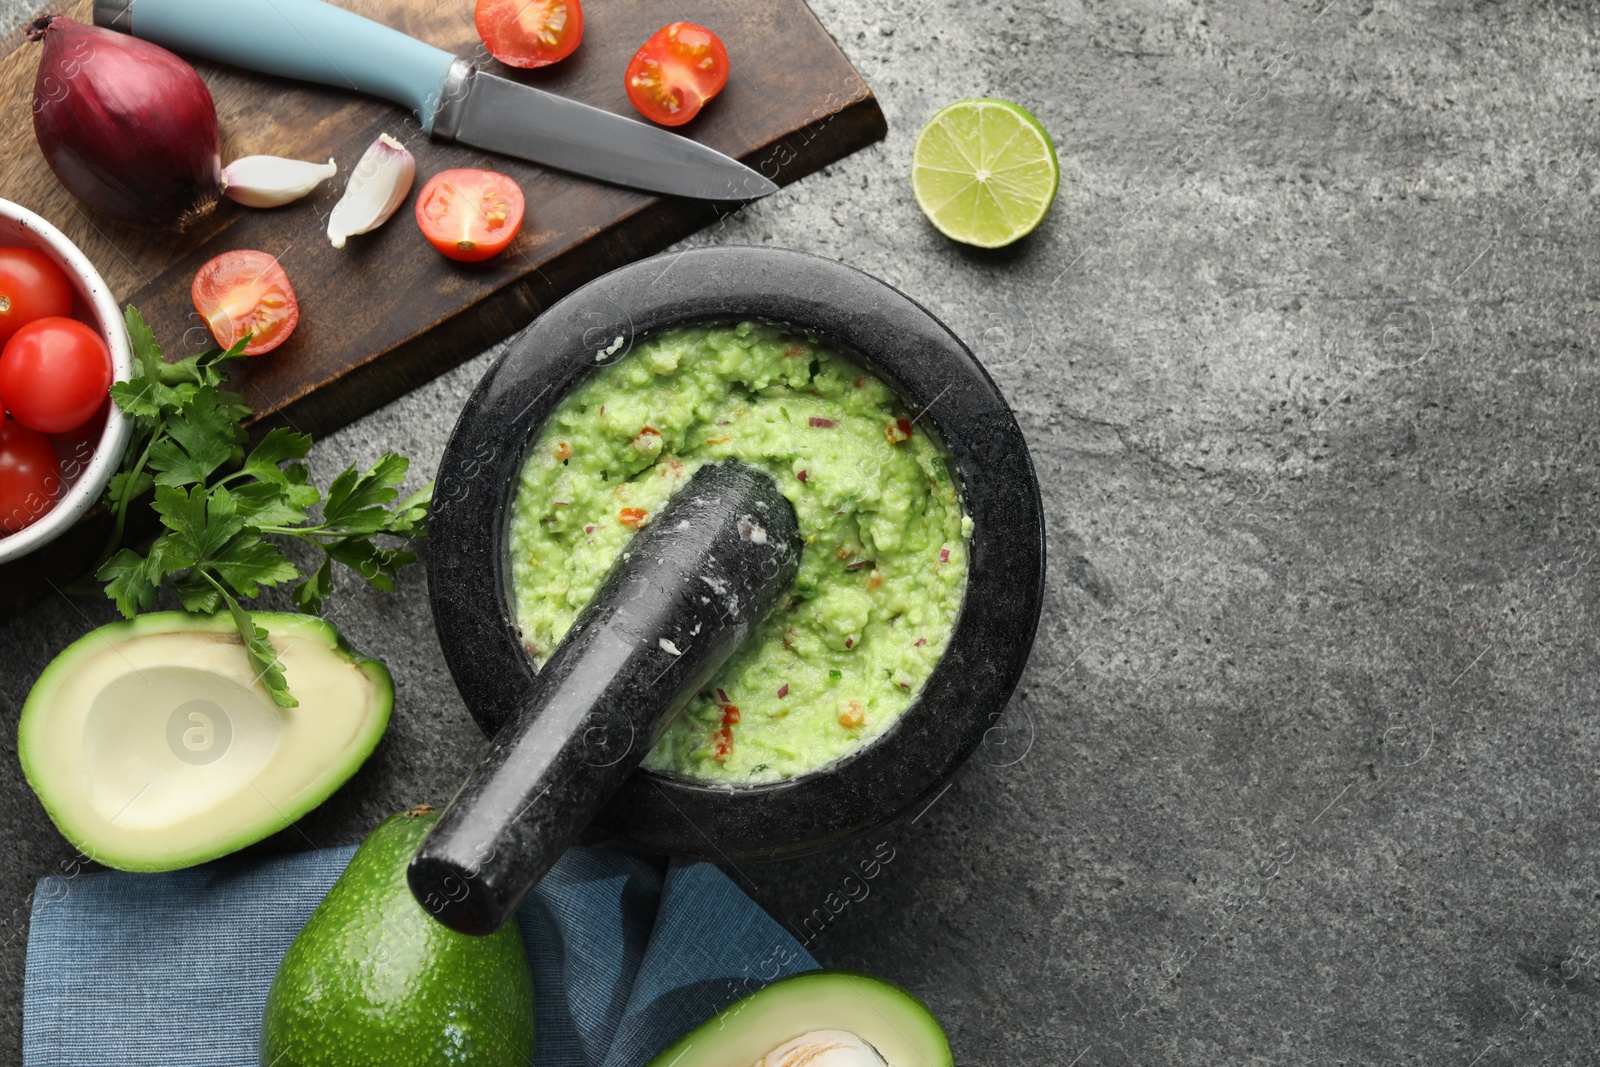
(129, 128)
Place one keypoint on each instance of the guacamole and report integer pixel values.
(885, 559)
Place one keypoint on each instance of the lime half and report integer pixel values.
(985, 172)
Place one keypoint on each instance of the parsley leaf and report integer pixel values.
(376, 564)
(251, 563)
(142, 398)
(263, 657)
(224, 512)
(128, 582)
(201, 436)
(409, 518)
(279, 445)
(268, 504)
(310, 594)
(196, 592)
(201, 523)
(356, 501)
(126, 486)
(146, 353)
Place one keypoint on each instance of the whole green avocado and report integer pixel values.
(373, 979)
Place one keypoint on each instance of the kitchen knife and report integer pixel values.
(454, 101)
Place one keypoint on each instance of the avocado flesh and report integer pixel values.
(152, 745)
(373, 979)
(895, 1025)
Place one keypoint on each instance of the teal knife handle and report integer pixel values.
(302, 39)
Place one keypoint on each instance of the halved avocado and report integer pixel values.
(153, 746)
(820, 1018)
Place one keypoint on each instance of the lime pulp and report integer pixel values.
(984, 172)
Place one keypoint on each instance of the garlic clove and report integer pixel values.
(377, 187)
(823, 1048)
(269, 181)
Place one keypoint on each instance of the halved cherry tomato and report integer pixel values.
(469, 215)
(529, 33)
(676, 72)
(245, 292)
(54, 374)
(31, 287)
(30, 476)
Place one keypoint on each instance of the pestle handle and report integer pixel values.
(687, 591)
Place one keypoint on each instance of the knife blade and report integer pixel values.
(502, 116)
(309, 40)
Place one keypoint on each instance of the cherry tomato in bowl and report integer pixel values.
(90, 455)
(54, 374)
(31, 287)
(470, 215)
(76, 448)
(30, 476)
(529, 33)
(679, 68)
(246, 292)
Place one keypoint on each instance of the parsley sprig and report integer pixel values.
(224, 512)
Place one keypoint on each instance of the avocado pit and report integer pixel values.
(823, 1048)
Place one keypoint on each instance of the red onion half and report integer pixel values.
(129, 128)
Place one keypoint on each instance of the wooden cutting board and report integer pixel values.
(387, 313)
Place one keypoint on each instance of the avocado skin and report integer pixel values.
(373, 979)
(889, 1018)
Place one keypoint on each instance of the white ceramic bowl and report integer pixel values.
(85, 475)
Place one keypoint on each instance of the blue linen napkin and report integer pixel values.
(173, 969)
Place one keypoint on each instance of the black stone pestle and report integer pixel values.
(686, 592)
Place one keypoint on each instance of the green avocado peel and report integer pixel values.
(373, 979)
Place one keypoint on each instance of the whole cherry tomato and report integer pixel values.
(529, 33)
(246, 292)
(470, 215)
(30, 477)
(679, 68)
(54, 374)
(31, 287)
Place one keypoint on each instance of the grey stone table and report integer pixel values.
(1303, 769)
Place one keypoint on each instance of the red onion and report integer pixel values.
(128, 127)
